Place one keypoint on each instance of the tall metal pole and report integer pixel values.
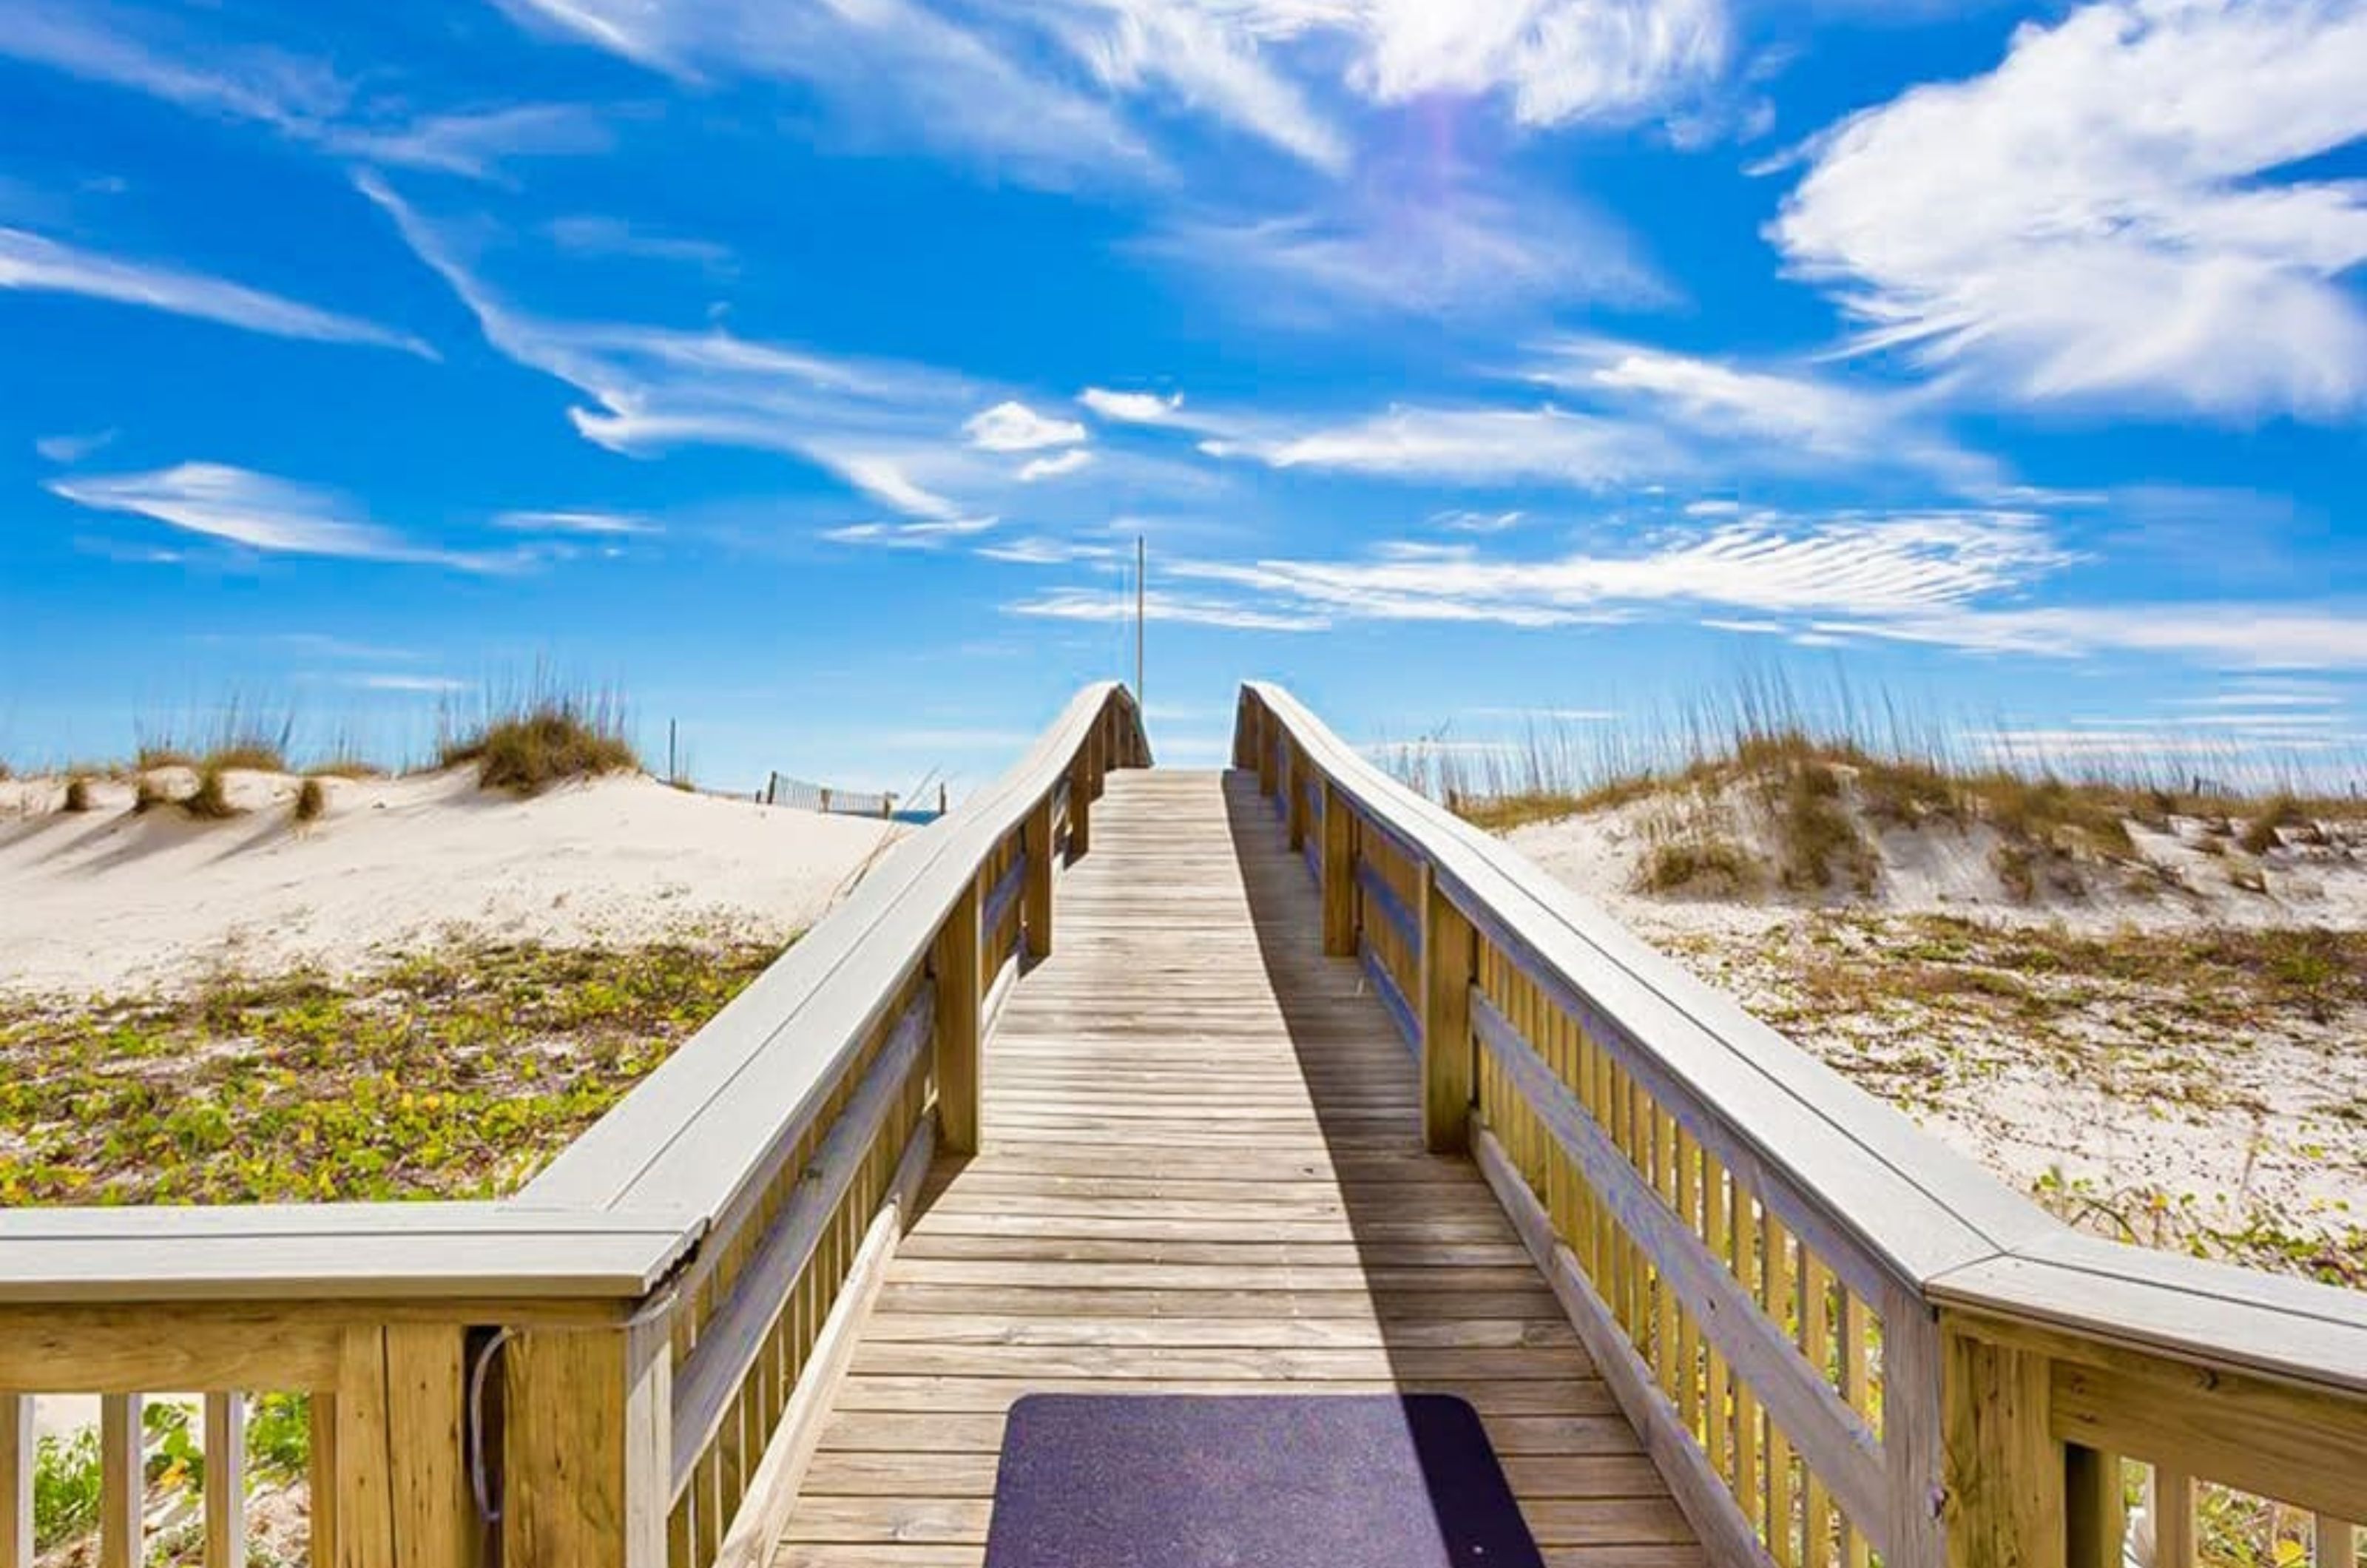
(1138, 600)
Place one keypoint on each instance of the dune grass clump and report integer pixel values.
(148, 795)
(1706, 865)
(2260, 835)
(78, 798)
(209, 802)
(544, 739)
(311, 801)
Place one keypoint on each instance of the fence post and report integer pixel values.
(1081, 806)
(1294, 816)
(2005, 1468)
(586, 1434)
(1339, 874)
(1449, 964)
(1266, 758)
(954, 966)
(1036, 898)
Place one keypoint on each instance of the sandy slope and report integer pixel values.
(109, 901)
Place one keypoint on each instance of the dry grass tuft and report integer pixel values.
(311, 801)
(78, 794)
(209, 802)
(1705, 864)
(148, 795)
(2260, 835)
(545, 739)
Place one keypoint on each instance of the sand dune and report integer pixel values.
(110, 899)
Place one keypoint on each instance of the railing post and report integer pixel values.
(1080, 811)
(225, 1482)
(122, 1481)
(1294, 816)
(954, 969)
(1036, 898)
(587, 1424)
(2005, 1468)
(1450, 962)
(2095, 1520)
(1913, 1439)
(1245, 728)
(17, 1450)
(1267, 758)
(1339, 874)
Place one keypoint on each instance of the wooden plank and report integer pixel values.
(363, 1477)
(225, 1483)
(122, 1481)
(18, 1450)
(325, 1540)
(2173, 1517)
(1339, 874)
(2095, 1509)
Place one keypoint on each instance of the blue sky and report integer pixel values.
(807, 371)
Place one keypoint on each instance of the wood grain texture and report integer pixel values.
(17, 1450)
(225, 1482)
(122, 1484)
(1201, 1169)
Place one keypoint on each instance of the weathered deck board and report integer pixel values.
(1201, 1172)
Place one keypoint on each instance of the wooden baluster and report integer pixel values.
(17, 1447)
(225, 1455)
(1689, 1208)
(1779, 1303)
(2338, 1542)
(1080, 809)
(957, 971)
(1715, 1234)
(1816, 1336)
(1663, 1177)
(1450, 958)
(1294, 816)
(1748, 1490)
(122, 1480)
(2095, 1512)
(2173, 1517)
(1855, 1553)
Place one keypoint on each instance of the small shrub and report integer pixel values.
(547, 740)
(148, 796)
(311, 801)
(65, 1488)
(1710, 865)
(78, 794)
(1819, 839)
(209, 802)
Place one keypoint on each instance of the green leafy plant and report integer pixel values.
(65, 1488)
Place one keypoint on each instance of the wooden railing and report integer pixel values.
(624, 1364)
(1842, 1342)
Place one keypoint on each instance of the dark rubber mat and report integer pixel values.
(1283, 1481)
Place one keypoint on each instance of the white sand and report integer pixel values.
(109, 901)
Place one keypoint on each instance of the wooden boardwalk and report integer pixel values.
(1202, 1173)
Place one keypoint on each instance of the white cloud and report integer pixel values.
(878, 425)
(895, 68)
(1039, 551)
(73, 448)
(1090, 604)
(415, 684)
(2101, 219)
(2229, 635)
(1068, 462)
(592, 234)
(1562, 60)
(935, 533)
(301, 99)
(1468, 447)
(263, 513)
(1459, 522)
(1208, 56)
(593, 524)
(1896, 567)
(29, 262)
(1131, 408)
(1012, 426)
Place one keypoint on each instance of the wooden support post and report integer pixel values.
(1035, 897)
(2337, 1542)
(1080, 811)
(1245, 732)
(1450, 962)
(954, 966)
(1269, 757)
(17, 1451)
(587, 1420)
(2095, 1510)
(359, 1477)
(122, 1481)
(2006, 1472)
(426, 1384)
(2173, 1517)
(1339, 874)
(225, 1454)
(1294, 816)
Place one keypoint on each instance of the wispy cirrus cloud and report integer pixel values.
(73, 447)
(302, 99)
(1012, 426)
(1068, 462)
(266, 513)
(1181, 609)
(1131, 408)
(935, 533)
(589, 524)
(884, 428)
(33, 263)
(2107, 219)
